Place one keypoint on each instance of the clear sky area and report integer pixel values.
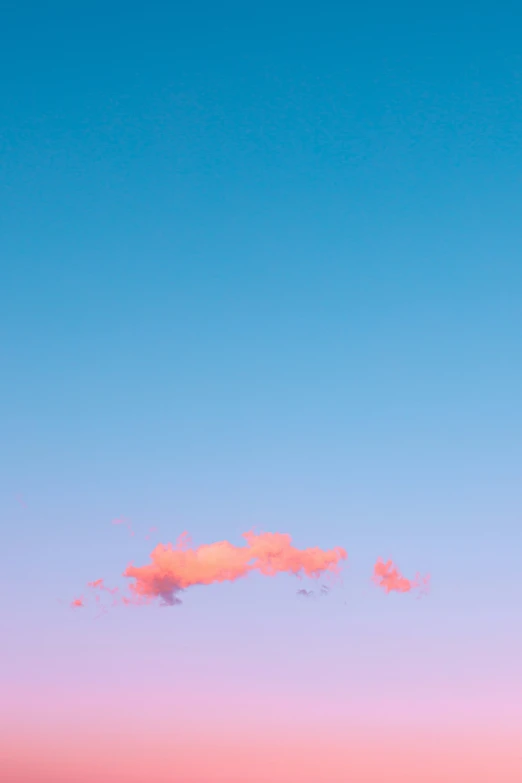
(260, 270)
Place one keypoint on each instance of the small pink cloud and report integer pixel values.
(388, 577)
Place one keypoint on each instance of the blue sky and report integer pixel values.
(261, 266)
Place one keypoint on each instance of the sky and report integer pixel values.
(260, 270)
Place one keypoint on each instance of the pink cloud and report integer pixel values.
(175, 568)
(388, 577)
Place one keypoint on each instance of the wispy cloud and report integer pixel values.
(124, 521)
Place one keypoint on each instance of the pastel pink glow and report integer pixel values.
(175, 568)
(388, 576)
(136, 722)
(109, 755)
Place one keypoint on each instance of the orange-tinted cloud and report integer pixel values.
(77, 603)
(388, 576)
(174, 568)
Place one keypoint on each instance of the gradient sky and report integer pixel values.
(261, 267)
